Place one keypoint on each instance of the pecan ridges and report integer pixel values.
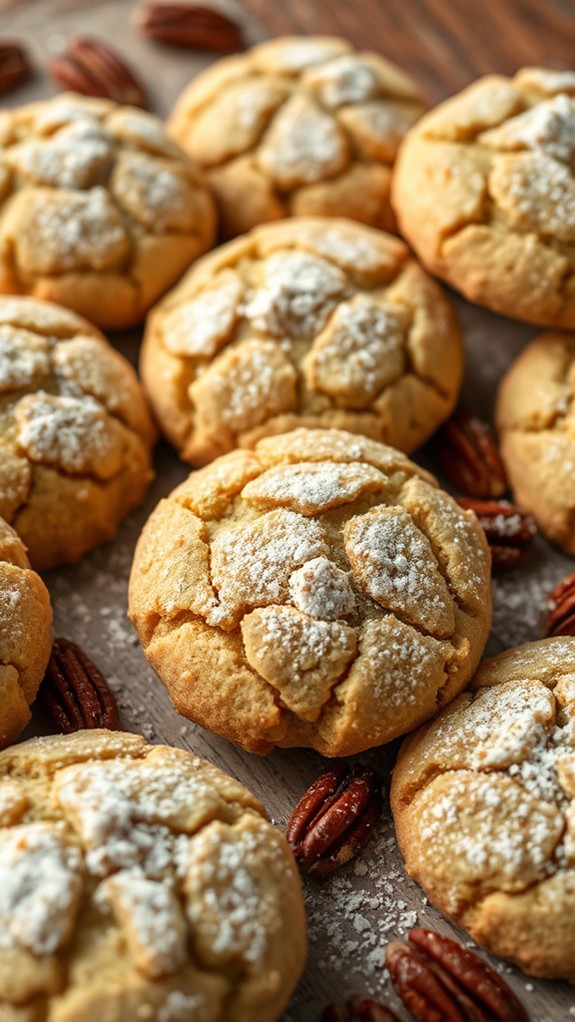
(74, 694)
(335, 817)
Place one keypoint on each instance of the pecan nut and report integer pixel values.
(194, 25)
(437, 978)
(560, 618)
(334, 819)
(467, 452)
(508, 530)
(73, 694)
(14, 66)
(358, 1009)
(92, 68)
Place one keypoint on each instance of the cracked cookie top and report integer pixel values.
(536, 422)
(317, 591)
(141, 880)
(298, 126)
(75, 431)
(101, 211)
(310, 322)
(484, 190)
(484, 806)
(25, 634)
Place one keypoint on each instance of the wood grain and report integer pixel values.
(445, 44)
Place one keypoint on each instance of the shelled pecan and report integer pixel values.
(334, 818)
(73, 694)
(467, 452)
(560, 618)
(508, 530)
(437, 978)
(358, 1009)
(14, 65)
(196, 26)
(93, 68)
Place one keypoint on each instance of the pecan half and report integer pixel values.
(358, 1009)
(335, 818)
(74, 694)
(92, 68)
(560, 619)
(194, 25)
(436, 978)
(14, 66)
(508, 530)
(467, 452)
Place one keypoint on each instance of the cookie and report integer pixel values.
(536, 422)
(99, 210)
(483, 800)
(310, 322)
(298, 126)
(75, 432)
(318, 591)
(484, 192)
(25, 635)
(140, 882)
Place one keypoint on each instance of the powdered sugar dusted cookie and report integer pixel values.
(75, 432)
(484, 190)
(100, 210)
(300, 126)
(25, 635)
(140, 882)
(309, 322)
(484, 806)
(536, 423)
(319, 591)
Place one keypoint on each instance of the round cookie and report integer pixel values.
(535, 417)
(99, 209)
(140, 882)
(319, 591)
(75, 432)
(483, 800)
(309, 322)
(25, 635)
(484, 191)
(300, 125)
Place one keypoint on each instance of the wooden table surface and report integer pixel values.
(444, 44)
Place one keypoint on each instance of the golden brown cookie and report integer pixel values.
(99, 209)
(301, 126)
(25, 636)
(483, 799)
(140, 882)
(319, 591)
(309, 322)
(484, 191)
(536, 421)
(75, 432)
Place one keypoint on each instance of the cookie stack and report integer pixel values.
(308, 585)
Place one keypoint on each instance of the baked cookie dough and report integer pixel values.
(75, 432)
(483, 799)
(535, 417)
(484, 190)
(25, 636)
(318, 591)
(301, 126)
(140, 882)
(99, 209)
(309, 322)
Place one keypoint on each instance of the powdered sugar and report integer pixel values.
(70, 432)
(345, 79)
(303, 145)
(321, 589)
(313, 487)
(299, 293)
(78, 156)
(40, 884)
(199, 327)
(548, 127)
